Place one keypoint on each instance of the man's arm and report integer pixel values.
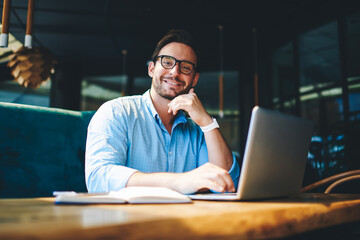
(207, 176)
(218, 151)
(106, 151)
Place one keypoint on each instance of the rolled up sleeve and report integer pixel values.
(106, 153)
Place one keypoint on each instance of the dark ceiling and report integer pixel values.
(95, 32)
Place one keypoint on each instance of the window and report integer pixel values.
(284, 82)
(321, 97)
(353, 53)
(353, 81)
(97, 90)
(319, 56)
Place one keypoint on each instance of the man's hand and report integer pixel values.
(207, 176)
(191, 104)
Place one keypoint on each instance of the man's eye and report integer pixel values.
(186, 67)
(167, 61)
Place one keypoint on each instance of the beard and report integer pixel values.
(164, 93)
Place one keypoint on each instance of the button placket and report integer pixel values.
(171, 153)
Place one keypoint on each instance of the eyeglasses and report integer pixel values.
(169, 62)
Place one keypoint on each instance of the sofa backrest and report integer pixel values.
(41, 150)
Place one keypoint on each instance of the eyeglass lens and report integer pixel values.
(169, 62)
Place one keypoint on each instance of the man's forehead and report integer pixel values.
(180, 51)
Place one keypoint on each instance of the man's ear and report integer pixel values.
(196, 78)
(151, 68)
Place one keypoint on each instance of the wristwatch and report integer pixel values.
(210, 127)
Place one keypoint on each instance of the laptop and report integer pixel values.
(274, 159)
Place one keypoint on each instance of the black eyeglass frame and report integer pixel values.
(176, 61)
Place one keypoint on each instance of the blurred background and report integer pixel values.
(300, 57)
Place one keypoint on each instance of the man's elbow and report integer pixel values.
(92, 181)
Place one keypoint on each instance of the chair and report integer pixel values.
(334, 181)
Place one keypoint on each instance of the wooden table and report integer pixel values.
(41, 219)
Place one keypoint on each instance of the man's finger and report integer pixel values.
(229, 184)
(220, 176)
(210, 184)
(176, 105)
(223, 179)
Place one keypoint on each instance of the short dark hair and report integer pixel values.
(176, 35)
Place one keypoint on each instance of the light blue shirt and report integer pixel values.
(126, 135)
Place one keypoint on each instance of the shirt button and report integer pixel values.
(170, 153)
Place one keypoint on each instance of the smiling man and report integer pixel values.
(148, 140)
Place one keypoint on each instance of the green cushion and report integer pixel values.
(41, 150)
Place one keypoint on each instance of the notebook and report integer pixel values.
(274, 159)
(130, 195)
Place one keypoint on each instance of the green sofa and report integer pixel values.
(41, 150)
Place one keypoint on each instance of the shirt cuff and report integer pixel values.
(118, 177)
(235, 172)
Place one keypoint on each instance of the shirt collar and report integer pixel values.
(180, 118)
(149, 104)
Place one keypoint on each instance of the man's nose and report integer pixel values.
(176, 69)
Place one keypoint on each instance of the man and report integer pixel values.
(148, 140)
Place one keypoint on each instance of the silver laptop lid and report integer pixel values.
(275, 155)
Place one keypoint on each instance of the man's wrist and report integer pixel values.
(210, 127)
